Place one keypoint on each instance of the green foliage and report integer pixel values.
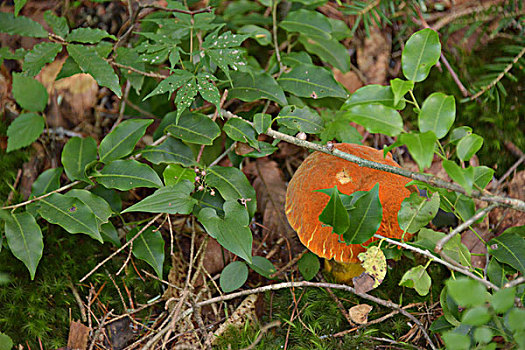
(233, 276)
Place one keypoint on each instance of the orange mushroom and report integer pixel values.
(321, 171)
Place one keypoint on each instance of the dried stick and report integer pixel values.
(63, 188)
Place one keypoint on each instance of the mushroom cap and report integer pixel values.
(319, 171)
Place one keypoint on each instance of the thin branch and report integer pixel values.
(515, 282)
(275, 42)
(63, 188)
(134, 70)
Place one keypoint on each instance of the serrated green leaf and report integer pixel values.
(307, 22)
(233, 276)
(24, 130)
(69, 68)
(71, 214)
(468, 146)
(240, 130)
(176, 79)
(365, 217)
(122, 140)
(174, 199)
(503, 300)
(421, 52)
(417, 278)
(400, 88)
(77, 154)
(88, 35)
(39, 56)
(90, 62)
(173, 174)
(7, 54)
(185, 96)
(21, 25)
(311, 81)
(232, 232)
(421, 147)
(208, 90)
(328, 50)
(300, 119)
(252, 87)
(57, 24)
(334, 213)
(417, 211)
(149, 246)
(129, 57)
(97, 204)
(373, 94)
(437, 114)
(171, 151)
(376, 118)
(309, 265)
(195, 128)
(127, 174)
(232, 184)
(29, 93)
(467, 292)
(262, 122)
(46, 182)
(464, 177)
(25, 240)
(477, 316)
(6, 343)
(509, 248)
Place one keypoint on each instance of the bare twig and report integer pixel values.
(515, 282)
(275, 42)
(63, 188)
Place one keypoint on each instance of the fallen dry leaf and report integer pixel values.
(350, 80)
(359, 313)
(373, 56)
(78, 336)
(363, 283)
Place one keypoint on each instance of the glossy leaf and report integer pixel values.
(262, 266)
(47, 181)
(88, 35)
(71, 214)
(173, 199)
(149, 246)
(249, 88)
(122, 140)
(240, 130)
(365, 217)
(233, 276)
(21, 25)
(311, 81)
(458, 133)
(29, 93)
(39, 56)
(24, 130)
(58, 24)
(195, 128)
(260, 34)
(400, 88)
(417, 278)
(373, 93)
(77, 154)
(328, 49)
(109, 233)
(376, 118)
(307, 22)
(468, 146)
(421, 147)
(464, 177)
(232, 232)
(437, 114)
(97, 204)
(25, 240)
(262, 122)
(334, 213)
(173, 174)
(509, 248)
(421, 52)
(308, 265)
(127, 174)
(482, 176)
(90, 62)
(417, 211)
(232, 184)
(467, 292)
(171, 151)
(454, 249)
(300, 119)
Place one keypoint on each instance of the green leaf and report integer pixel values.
(77, 154)
(417, 278)
(334, 213)
(170, 199)
(373, 94)
(300, 119)
(232, 232)
(503, 300)
(365, 217)
(127, 174)
(195, 128)
(71, 214)
(24, 239)
(467, 292)
(21, 25)
(57, 24)
(176, 79)
(129, 57)
(249, 88)
(171, 151)
(122, 140)
(421, 147)
(509, 248)
(376, 118)
(173, 174)
(19, 4)
(417, 211)
(307, 22)
(262, 122)
(464, 177)
(482, 176)
(311, 81)
(88, 35)
(46, 182)
(497, 273)
(515, 319)
(208, 90)
(308, 265)
(262, 35)
(296, 59)
(340, 129)
(232, 184)
(90, 62)
(456, 341)
(109, 233)
(240, 130)
(421, 52)
(483, 335)
(468, 146)
(29, 93)
(454, 249)
(6, 343)
(185, 96)
(450, 307)
(477, 316)
(149, 246)
(458, 133)
(24, 130)
(233, 276)
(262, 266)
(400, 88)
(97, 204)
(329, 50)
(223, 50)
(69, 68)
(437, 114)
(39, 56)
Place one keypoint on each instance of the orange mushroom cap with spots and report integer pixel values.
(321, 171)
